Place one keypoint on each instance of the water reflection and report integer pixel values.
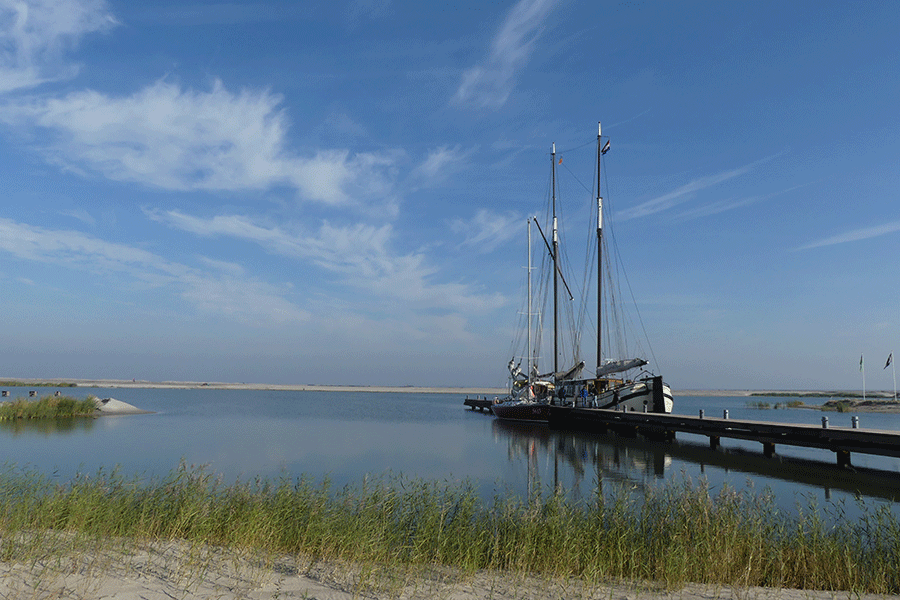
(46, 427)
(583, 462)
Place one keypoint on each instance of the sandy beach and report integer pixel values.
(163, 571)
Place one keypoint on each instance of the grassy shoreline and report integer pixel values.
(48, 407)
(679, 533)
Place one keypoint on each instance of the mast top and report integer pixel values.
(599, 129)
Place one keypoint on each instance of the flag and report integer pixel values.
(889, 361)
(605, 148)
(560, 160)
(860, 362)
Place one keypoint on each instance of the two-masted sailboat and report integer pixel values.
(548, 397)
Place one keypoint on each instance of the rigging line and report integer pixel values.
(592, 142)
(575, 177)
(628, 284)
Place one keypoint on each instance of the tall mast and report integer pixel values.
(555, 265)
(530, 358)
(599, 252)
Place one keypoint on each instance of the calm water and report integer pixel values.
(345, 436)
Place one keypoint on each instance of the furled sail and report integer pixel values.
(617, 366)
(572, 373)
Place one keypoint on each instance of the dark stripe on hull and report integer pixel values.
(534, 413)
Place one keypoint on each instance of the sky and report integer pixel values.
(336, 192)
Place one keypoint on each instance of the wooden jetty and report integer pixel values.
(841, 440)
(481, 404)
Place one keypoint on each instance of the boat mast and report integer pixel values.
(555, 264)
(530, 358)
(599, 252)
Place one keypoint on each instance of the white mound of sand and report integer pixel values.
(111, 406)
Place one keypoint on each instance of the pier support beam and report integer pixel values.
(769, 449)
(843, 458)
(714, 441)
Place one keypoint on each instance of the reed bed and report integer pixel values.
(675, 534)
(48, 407)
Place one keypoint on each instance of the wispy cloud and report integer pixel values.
(35, 34)
(170, 138)
(489, 84)
(731, 203)
(358, 255)
(855, 235)
(682, 194)
(227, 291)
(439, 164)
(487, 230)
(358, 10)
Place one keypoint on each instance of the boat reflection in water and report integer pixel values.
(584, 464)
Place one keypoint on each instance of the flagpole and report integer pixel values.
(862, 368)
(894, 370)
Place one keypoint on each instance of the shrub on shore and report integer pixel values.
(675, 534)
(48, 407)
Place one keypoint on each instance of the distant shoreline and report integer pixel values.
(410, 389)
(211, 385)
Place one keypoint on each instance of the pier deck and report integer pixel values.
(478, 403)
(841, 440)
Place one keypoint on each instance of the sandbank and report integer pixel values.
(213, 385)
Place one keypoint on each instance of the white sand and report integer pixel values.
(111, 406)
(167, 571)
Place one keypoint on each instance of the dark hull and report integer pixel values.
(522, 411)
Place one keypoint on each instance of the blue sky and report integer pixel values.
(336, 192)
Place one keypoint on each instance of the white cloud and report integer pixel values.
(34, 35)
(856, 235)
(359, 254)
(225, 292)
(177, 139)
(487, 230)
(489, 84)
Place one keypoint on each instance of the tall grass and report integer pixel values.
(48, 407)
(675, 534)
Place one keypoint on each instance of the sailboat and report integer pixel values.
(550, 397)
(530, 394)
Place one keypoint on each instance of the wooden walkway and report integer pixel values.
(478, 403)
(841, 440)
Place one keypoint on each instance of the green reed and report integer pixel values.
(48, 407)
(674, 534)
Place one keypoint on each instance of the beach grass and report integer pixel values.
(675, 534)
(48, 407)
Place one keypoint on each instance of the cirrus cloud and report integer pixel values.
(34, 36)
